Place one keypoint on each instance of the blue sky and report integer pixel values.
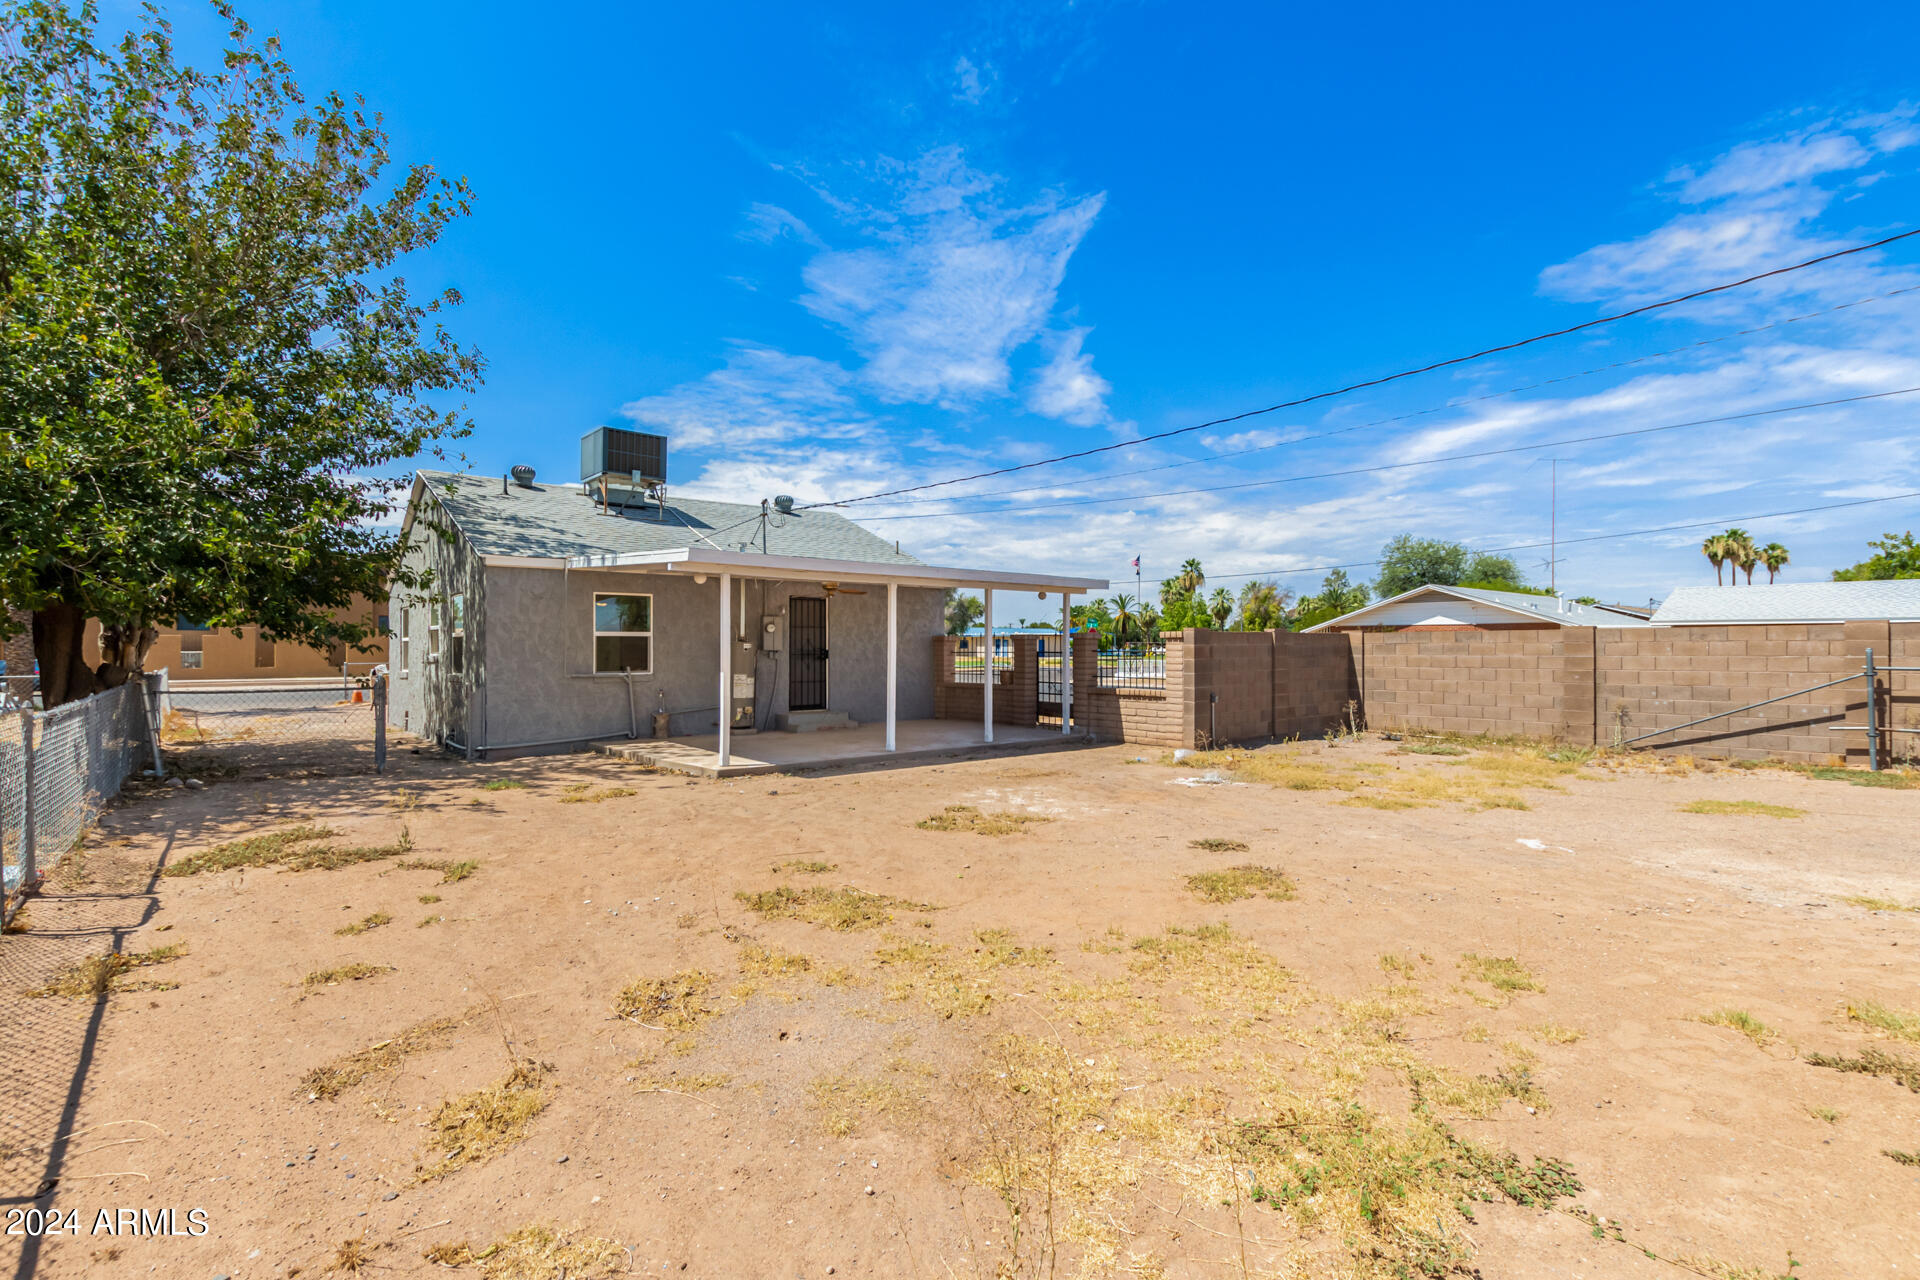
(832, 249)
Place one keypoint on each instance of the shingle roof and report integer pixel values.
(1897, 600)
(1568, 613)
(552, 520)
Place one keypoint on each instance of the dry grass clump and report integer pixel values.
(1740, 1020)
(846, 1102)
(430, 920)
(929, 970)
(1502, 973)
(451, 872)
(1872, 1062)
(770, 962)
(1431, 749)
(380, 1058)
(537, 1253)
(1490, 779)
(1240, 882)
(1901, 1024)
(678, 1003)
(293, 849)
(473, 1127)
(997, 948)
(352, 1257)
(595, 797)
(1213, 844)
(96, 977)
(343, 973)
(1752, 808)
(503, 784)
(805, 867)
(842, 910)
(363, 924)
(1909, 1158)
(964, 817)
(1554, 1033)
(1877, 904)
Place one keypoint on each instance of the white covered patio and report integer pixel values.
(715, 755)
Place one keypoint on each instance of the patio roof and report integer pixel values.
(752, 564)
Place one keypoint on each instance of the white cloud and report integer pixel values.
(956, 280)
(1754, 168)
(971, 82)
(761, 395)
(767, 223)
(1067, 388)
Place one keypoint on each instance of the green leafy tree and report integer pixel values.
(1407, 562)
(1895, 556)
(963, 612)
(1336, 596)
(1497, 572)
(1263, 606)
(206, 351)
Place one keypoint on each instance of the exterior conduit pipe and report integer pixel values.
(633, 722)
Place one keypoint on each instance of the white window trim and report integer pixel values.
(433, 630)
(594, 632)
(457, 632)
(406, 624)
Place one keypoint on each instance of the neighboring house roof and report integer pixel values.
(1642, 611)
(1431, 610)
(560, 520)
(1897, 600)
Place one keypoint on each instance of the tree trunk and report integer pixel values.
(58, 630)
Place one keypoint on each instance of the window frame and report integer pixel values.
(457, 634)
(406, 620)
(433, 629)
(594, 632)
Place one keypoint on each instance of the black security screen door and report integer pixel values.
(807, 663)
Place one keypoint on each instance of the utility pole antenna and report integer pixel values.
(1553, 525)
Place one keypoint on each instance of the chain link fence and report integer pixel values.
(58, 769)
(283, 727)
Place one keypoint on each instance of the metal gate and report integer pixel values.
(1051, 676)
(807, 654)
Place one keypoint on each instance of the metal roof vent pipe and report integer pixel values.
(523, 476)
(783, 503)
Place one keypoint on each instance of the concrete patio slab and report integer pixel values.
(777, 752)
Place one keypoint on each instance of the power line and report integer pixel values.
(1382, 380)
(1419, 413)
(1398, 466)
(1597, 537)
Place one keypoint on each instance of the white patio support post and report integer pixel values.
(726, 670)
(1066, 663)
(893, 655)
(986, 688)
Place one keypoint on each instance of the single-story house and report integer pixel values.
(563, 614)
(1896, 600)
(1440, 608)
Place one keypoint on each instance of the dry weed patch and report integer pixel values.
(451, 872)
(473, 1127)
(343, 973)
(536, 1253)
(1502, 973)
(1901, 1024)
(964, 817)
(503, 784)
(1877, 904)
(1752, 808)
(1214, 844)
(805, 867)
(678, 1003)
(293, 849)
(843, 910)
(98, 976)
(1554, 1033)
(929, 970)
(380, 1058)
(583, 795)
(1240, 882)
(1740, 1020)
(363, 924)
(1490, 779)
(1872, 1062)
(846, 1102)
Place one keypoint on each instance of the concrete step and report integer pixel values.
(812, 721)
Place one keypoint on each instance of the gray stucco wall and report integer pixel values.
(538, 686)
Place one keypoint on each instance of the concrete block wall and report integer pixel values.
(1527, 683)
(1016, 692)
(1150, 717)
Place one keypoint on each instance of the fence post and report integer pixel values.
(379, 721)
(150, 703)
(27, 813)
(1873, 715)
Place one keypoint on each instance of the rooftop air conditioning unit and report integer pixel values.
(632, 459)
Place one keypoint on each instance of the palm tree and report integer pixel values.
(1191, 576)
(1149, 620)
(1716, 549)
(1122, 614)
(1774, 556)
(1740, 552)
(1263, 606)
(1220, 605)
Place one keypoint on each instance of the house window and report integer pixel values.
(192, 642)
(457, 626)
(623, 634)
(406, 617)
(433, 631)
(190, 659)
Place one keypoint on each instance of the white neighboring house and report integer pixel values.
(1438, 608)
(1897, 600)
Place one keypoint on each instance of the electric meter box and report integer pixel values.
(773, 633)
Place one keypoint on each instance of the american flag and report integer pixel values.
(1136, 562)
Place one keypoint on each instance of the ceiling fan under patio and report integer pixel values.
(833, 588)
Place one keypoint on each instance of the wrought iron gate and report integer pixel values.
(807, 654)
(1052, 671)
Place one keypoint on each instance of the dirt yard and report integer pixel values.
(1370, 1008)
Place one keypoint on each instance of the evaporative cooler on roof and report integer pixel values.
(624, 457)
